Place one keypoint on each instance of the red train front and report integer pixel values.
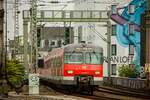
(74, 65)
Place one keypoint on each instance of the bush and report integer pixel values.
(15, 73)
(127, 71)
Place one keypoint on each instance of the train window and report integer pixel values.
(93, 58)
(55, 62)
(58, 62)
(74, 58)
(49, 63)
(40, 63)
(52, 62)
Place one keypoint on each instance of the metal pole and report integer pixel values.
(70, 35)
(25, 41)
(109, 49)
(16, 29)
(4, 83)
(34, 34)
(64, 33)
(5, 43)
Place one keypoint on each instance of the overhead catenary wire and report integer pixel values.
(95, 31)
(61, 2)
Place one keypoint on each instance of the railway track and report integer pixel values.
(106, 93)
(77, 94)
(125, 91)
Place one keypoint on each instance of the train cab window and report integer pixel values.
(93, 58)
(74, 58)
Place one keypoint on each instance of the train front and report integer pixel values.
(83, 65)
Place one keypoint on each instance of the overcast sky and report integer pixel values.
(25, 5)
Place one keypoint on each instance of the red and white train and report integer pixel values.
(74, 65)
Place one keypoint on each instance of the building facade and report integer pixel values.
(53, 37)
(125, 39)
(15, 48)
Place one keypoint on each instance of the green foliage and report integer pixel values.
(15, 73)
(127, 71)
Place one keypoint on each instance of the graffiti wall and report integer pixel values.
(128, 26)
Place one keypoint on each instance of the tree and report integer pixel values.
(15, 73)
(127, 71)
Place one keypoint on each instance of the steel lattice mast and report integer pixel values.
(16, 28)
(34, 49)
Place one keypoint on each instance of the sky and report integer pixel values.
(25, 5)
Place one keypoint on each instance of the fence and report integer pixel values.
(126, 82)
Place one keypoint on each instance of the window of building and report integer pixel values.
(53, 43)
(113, 9)
(113, 69)
(114, 49)
(46, 43)
(131, 49)
(131, 29)
(42, 43)
(131, 9)
(114, 30)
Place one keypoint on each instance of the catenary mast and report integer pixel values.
(34, 49)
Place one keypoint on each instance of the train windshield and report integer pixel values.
(74, 58)
(93, 58)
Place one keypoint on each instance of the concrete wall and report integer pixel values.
(126, 82)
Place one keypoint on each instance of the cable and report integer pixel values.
(99, 34)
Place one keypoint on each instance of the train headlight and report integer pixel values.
(70, 71)
(97, 72)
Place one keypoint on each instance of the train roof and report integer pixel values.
(71, 47)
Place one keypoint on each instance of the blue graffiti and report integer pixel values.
(127, 18)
